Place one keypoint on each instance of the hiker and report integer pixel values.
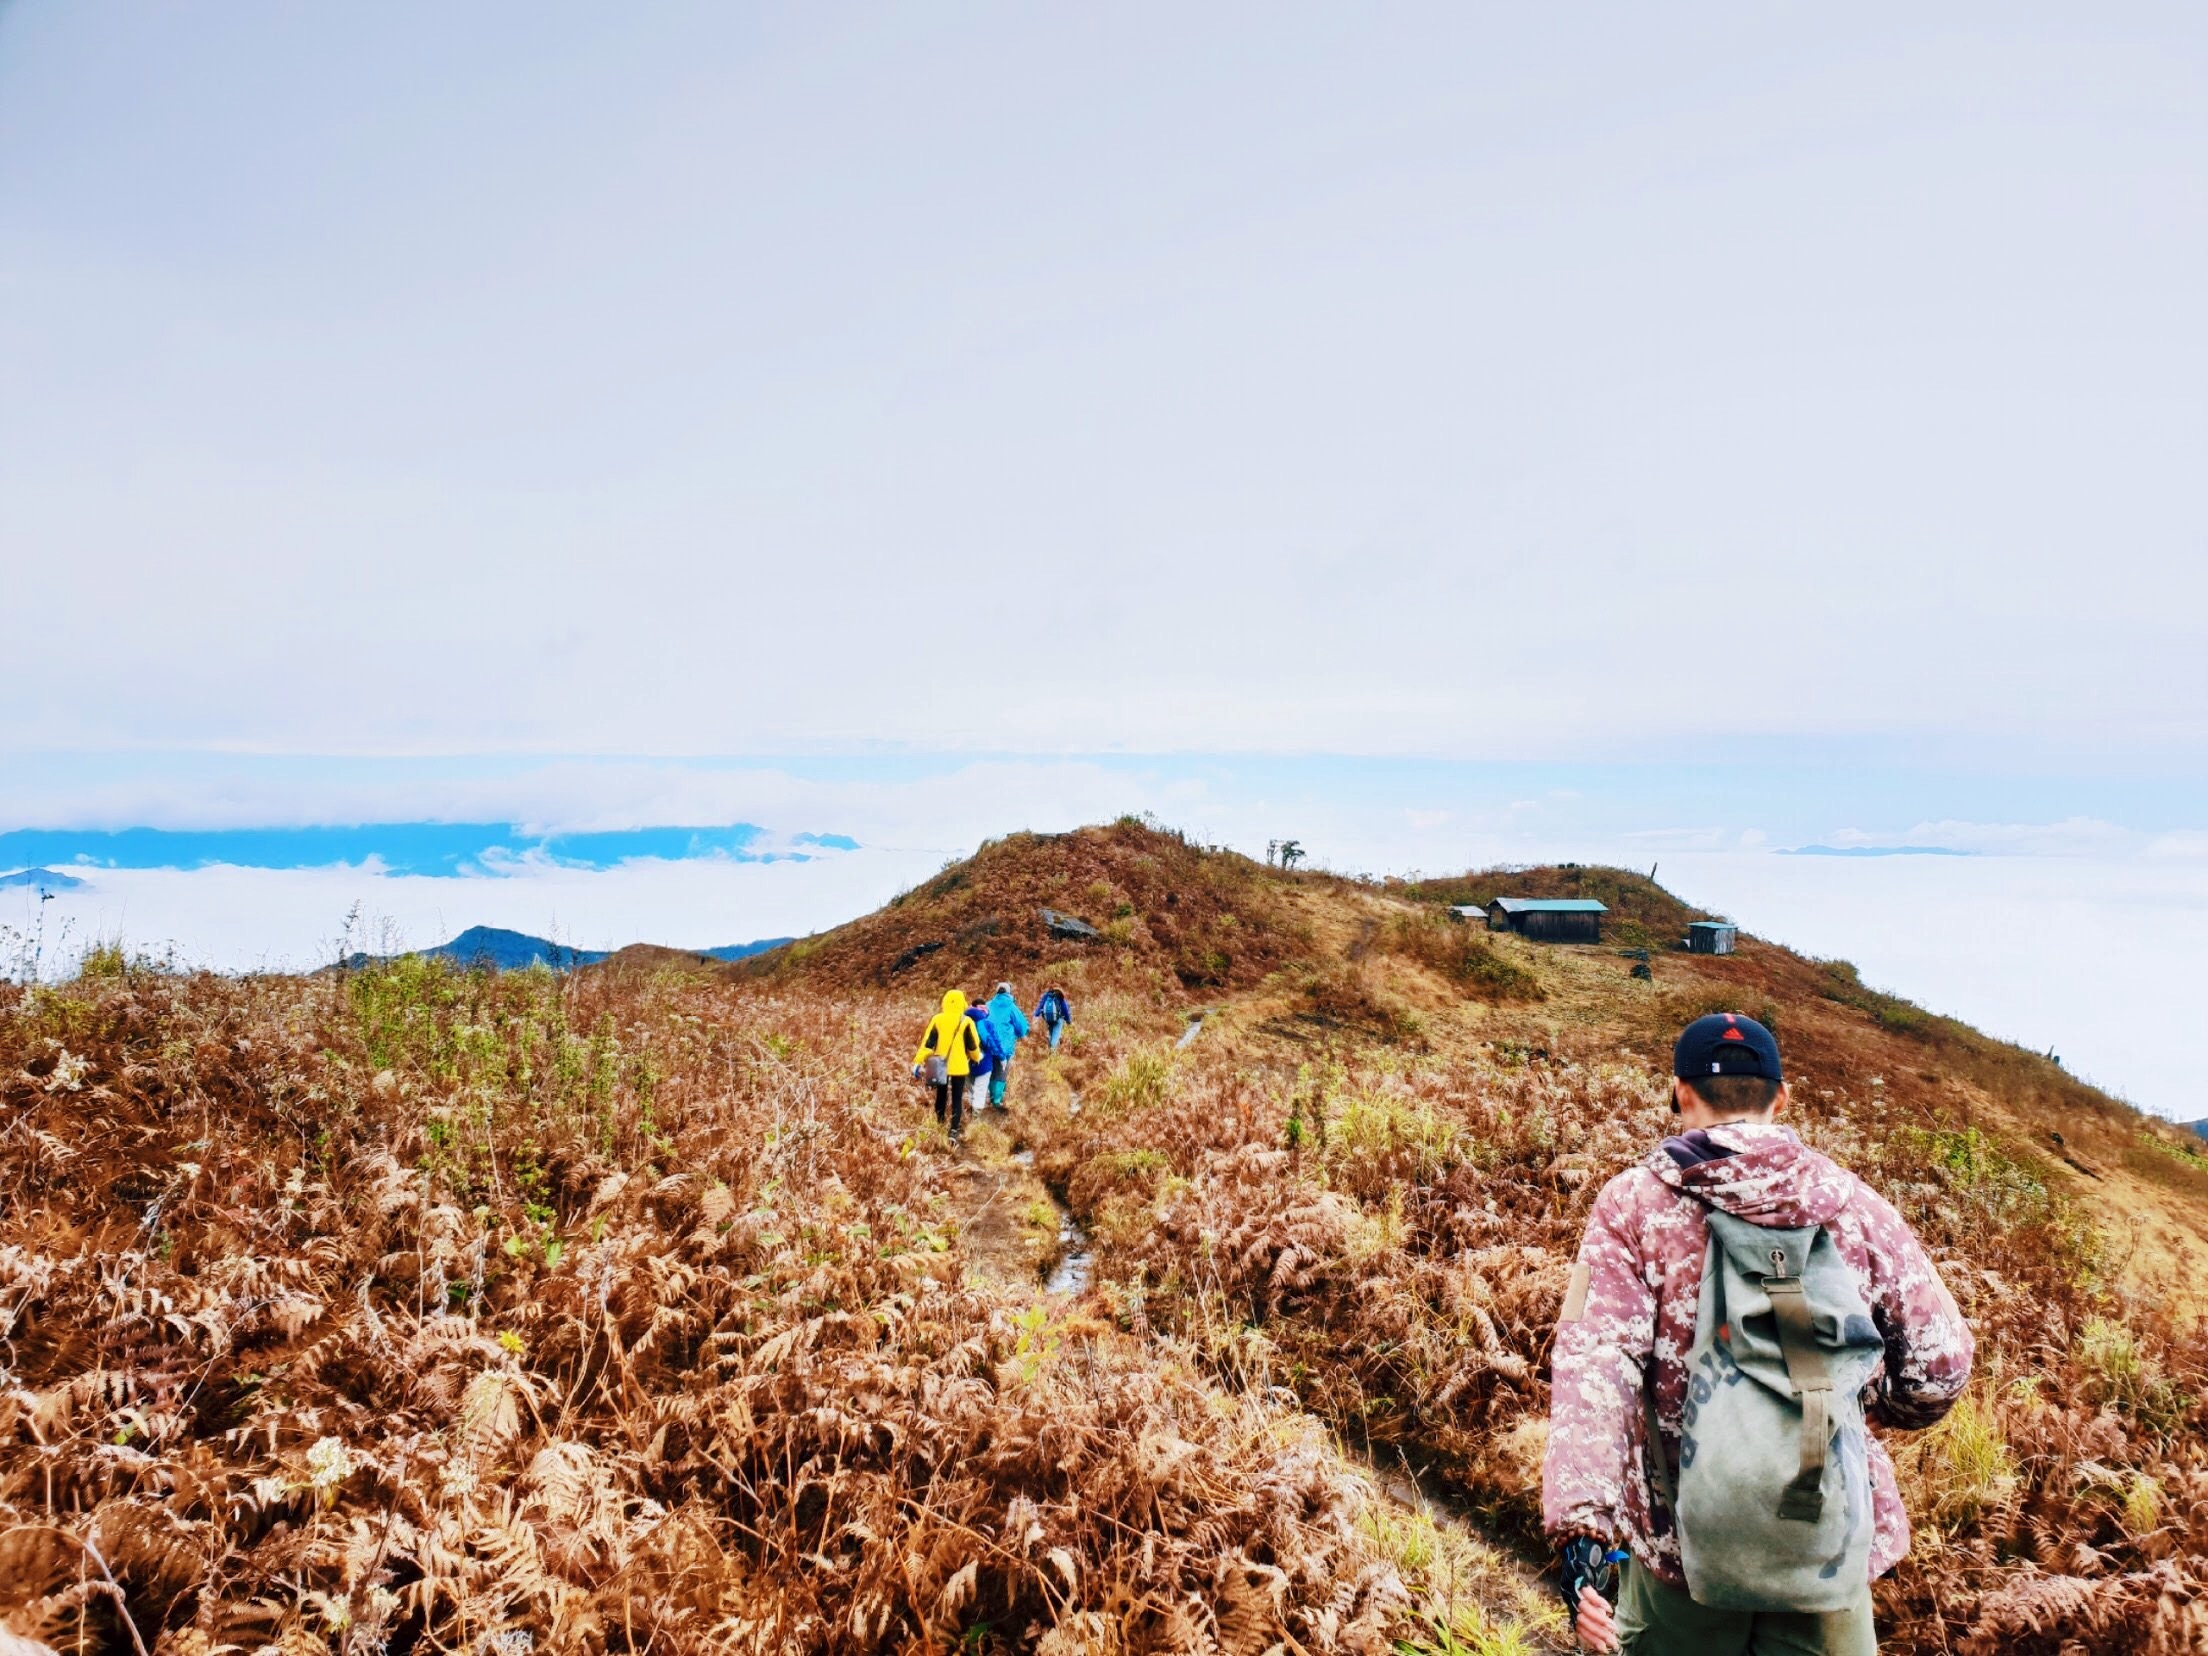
(949, 1049)
(1003, 1028)
(977, 1014)
(1054, 1012)
(1755, 1303)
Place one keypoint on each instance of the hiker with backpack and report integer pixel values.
(977, 1014)
(949, 1049)
(1741, 1308)
(1054, 1012)
(1003, 1027)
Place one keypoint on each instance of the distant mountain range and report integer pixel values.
(512, 951)
(2201, 1128)
(1872, 851)
(45, 879)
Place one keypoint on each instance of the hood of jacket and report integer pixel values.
(1770, 1178)
(954, 1001)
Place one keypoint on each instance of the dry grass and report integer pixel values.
(1461, 956)
(1174, 916)
(1389, 1238)
(635, 1311)
(1383, 1225)
(404, 1312)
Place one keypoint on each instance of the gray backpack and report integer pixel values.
(1773, 1499)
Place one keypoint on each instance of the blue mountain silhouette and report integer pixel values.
(45, 879)
(512, 951)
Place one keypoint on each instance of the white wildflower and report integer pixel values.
(329, 1463)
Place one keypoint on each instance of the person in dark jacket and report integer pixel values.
(1054, 1012)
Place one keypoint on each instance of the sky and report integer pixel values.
(1457, 433)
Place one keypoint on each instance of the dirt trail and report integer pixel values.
(1491, 1574)
(1011, 1225)
(1015, 1230)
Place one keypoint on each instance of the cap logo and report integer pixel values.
(1734, 1035)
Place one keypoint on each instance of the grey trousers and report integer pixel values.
(1659, 1620)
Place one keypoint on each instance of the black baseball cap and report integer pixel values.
(1726, 1043)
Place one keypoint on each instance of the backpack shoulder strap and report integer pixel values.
(1659, 1464)
(1809, 1369)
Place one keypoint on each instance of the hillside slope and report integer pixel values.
(1163, 910)
(1320, 956)
(646, 1307)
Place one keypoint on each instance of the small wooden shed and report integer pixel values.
(1469, 912)
(1712, 936)
(1549, 919)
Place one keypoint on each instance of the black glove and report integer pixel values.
(1588, 1563)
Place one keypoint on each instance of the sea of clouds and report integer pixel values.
(2068, 933)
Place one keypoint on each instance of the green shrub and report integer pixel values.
(1843, 983)
(1376, 1140)
(2115, 1370)
(1142, 1081)
(103, 963)
(1966, 1463)
(2142, 1504)
(1975, 1166)
(1462, 954)
(2192, 1154)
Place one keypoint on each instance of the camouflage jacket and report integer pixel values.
(1633, 1297)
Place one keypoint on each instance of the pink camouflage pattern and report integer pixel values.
(1641, 1262)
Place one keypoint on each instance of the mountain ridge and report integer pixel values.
(497, 948)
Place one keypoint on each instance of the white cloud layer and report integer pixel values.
(2071, 837)
(2092, 957)
(252, 919)
(2089, 955)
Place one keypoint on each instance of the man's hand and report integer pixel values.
(1596, 1624)
(1589, 1574)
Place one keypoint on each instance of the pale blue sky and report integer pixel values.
(1442, 433)
(1449, 381)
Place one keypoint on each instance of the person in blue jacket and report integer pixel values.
(1054, 1012)
(1003, 1027)
(977, 1014)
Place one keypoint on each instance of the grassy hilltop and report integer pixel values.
(645, 1307)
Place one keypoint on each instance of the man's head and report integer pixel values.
(1726, 1068)
(1004, 989)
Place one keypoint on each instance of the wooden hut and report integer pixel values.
(1549, 919)
(1712, 936)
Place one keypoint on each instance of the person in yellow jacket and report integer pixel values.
(949, 1049)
